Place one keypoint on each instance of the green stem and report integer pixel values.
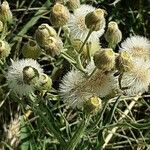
(89, 51)
(79, 63)
(4, 32)
(95, 69)
(77, 135)
(90, 31)
(51, 128)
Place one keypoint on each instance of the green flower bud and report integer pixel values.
(92, 105)
(59, 15)
(113, 35)
(124, 62)
(45, 82)
(4, 49)
(1, 26)
(53, 46)
(73, 4)
(43, 32)
(30, 75)
(95, 20)
(105, 59)
(31, 50)
(5, 12)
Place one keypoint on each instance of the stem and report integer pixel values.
(89, 51)
(119, 80)
(88, 35)
(59, 31)
(110, 135)
(95, 69)
(51, 128)
(79, 63)
(77, 135)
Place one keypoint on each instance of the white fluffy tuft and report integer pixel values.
(76, 87)
(137, 46)
(15, 76)
(138, 79)
(78, 29)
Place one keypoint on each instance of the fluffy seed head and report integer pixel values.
(59, 15)
(113, 35)
(78, 28)
(15, 76)
(124, 62)
(104, 59)
(137, 46)
(31, 50)
(95, 20)
(4, 49)
(75, 87)
(137, 80)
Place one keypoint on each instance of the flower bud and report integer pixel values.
(59, 15)
(45, 82)
(43, 32)
(113, 35)
(53, 46)
(30, 75)
(93, 104)
(95, 20)
(124, 62)
(1, 26)
(5, 12)
(73, 4)
(4, 49)
(31, 50)
(105, 59)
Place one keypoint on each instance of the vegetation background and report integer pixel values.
(133, 17)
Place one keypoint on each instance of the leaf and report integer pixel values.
(24, 135)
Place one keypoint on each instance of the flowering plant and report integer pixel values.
(73, 77)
